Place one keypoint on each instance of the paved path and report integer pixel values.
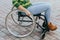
(5, 7)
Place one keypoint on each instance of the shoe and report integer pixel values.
(51, 26)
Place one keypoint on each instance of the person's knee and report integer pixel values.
(46, 5)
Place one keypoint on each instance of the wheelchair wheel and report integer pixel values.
(16, 27)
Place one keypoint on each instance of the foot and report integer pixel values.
(51, 26)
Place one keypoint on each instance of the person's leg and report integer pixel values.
(42, 7)
(39, 8)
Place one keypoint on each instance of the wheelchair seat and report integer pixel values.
(24, 14)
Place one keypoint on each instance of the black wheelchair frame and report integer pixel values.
(44, 26)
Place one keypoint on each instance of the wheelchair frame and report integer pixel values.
(44, 26)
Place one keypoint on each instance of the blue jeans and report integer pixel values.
(39, 8)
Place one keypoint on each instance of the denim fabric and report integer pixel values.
(39, 8)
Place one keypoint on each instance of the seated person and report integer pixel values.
(35, 8)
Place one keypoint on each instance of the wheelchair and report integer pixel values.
(23, 25)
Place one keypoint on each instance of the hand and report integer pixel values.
(24, 10)
(28, 13)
